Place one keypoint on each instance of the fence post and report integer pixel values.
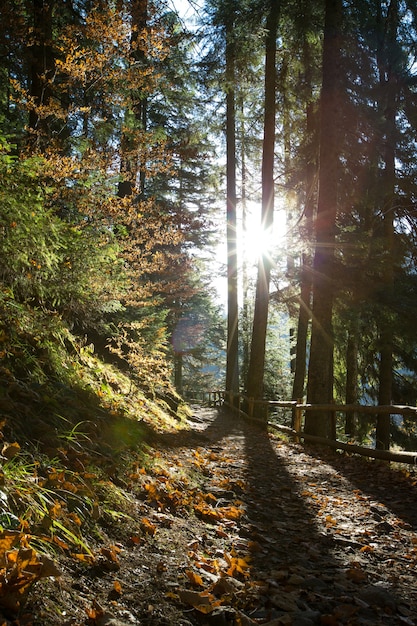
(297, 419)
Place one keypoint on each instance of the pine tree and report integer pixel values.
(260, 321)
(320, 373)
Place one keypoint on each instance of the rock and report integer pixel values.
(379, 597)
(307, 618)
(285, 601)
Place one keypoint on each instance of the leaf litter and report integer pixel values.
(234, 526)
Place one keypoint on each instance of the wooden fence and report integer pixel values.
(249, 408)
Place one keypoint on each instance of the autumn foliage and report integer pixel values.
(88, 232)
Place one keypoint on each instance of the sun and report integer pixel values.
(255, 240)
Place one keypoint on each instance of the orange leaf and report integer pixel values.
(8, 539)
(203, 602)
(96, 612)
(232, 512)
(60, 543)
(85, 558)
(74, 517)
(110, 553)
(366, 549)
(136, 540)
(194, 578)
(148, 527)
(55, 510)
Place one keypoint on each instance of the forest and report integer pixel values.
(155, 155)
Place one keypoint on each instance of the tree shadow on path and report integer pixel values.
(298, 572)
(394, 489)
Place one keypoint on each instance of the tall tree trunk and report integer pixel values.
(320, 372)
(178, 369)
(389, 107)
(304, 313)
(42, 68)
(260, 321)
(232, 362)
(245, 275)
(352, 350)
(131, 168)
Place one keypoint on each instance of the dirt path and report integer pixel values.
(239, 528)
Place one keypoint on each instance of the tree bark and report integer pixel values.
(304, 314)
(131, 168)
(178, 369)
(42, 68)
(232, 362)
(352, 350)
(320, 372)
(260, 321)
(245, 332)
(389, 107)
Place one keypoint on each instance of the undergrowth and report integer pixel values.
(72, 427)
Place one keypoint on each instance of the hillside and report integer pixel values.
(119, 510)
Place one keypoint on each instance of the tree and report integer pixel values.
(232, 364)
(309, 167)
(260, 320)
(320, 372)
(387, 62)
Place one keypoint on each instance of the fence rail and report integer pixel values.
(239, 402)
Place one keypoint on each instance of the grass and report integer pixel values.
(79, 427)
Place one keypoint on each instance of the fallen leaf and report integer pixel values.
(366, 549)
(117, 587)
(356, 575)
(111, 553)
(194, 578)
(10, 450)
(85, 558)
(96, 612)
(49, 568)
(203, 602)
(148, 527)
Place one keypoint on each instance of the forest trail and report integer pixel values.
(241, 528)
